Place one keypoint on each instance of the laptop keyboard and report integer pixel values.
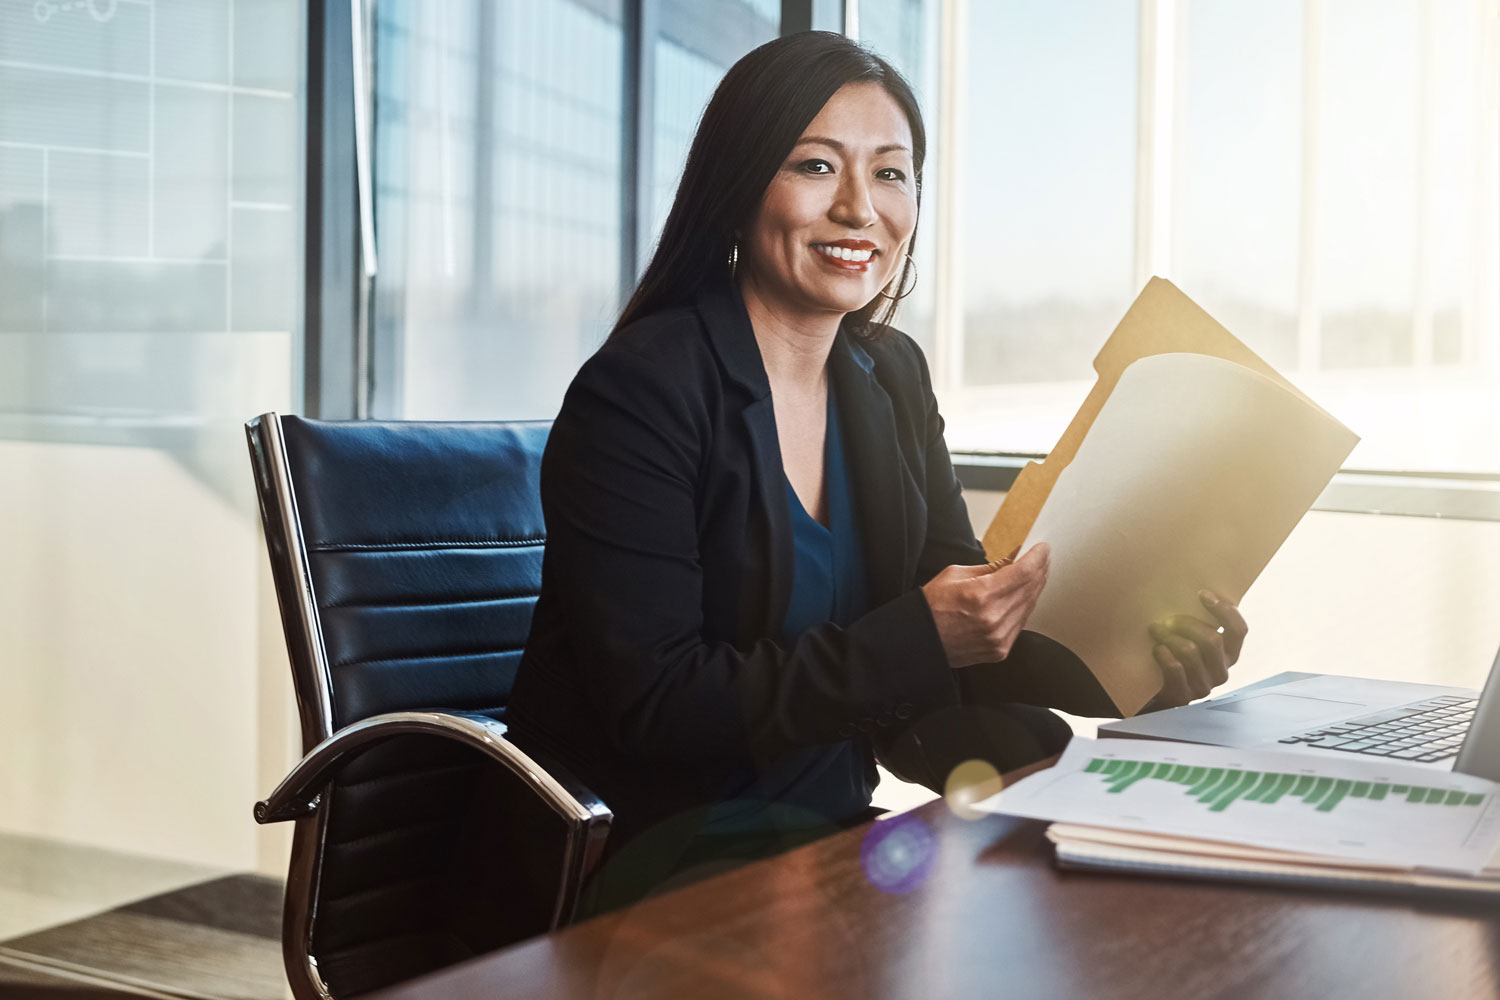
(1423, 731)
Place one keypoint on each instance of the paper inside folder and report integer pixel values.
(1185, 470)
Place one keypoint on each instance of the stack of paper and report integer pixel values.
(1186, 809)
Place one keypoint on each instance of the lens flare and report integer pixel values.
(897, 854)
(970, 782)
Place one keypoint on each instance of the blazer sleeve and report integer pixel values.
(1038, 671)
(618, 490)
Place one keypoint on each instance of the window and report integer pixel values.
(497, 200)
(150, 220)
(501, 145)
(906, 32)
(151, 169)
(1320, 175)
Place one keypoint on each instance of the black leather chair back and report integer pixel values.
(407, 560)
(424, 543)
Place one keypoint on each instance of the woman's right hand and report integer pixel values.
(979, 610)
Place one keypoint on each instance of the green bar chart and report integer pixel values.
(1217, 788)
(1377, 812)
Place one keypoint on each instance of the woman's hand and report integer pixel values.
(979, 610)
(1195, 656)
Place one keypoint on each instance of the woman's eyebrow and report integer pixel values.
(890, 147)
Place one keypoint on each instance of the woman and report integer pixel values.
(759, 571)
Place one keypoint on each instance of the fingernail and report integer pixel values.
(1208, 597)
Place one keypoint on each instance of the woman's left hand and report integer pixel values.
(1195, 656)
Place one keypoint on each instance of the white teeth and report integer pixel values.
(844, 253)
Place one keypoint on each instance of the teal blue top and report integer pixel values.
(812, 786)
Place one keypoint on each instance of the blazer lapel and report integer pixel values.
(775, 561)
(733, 340)
(879, 480)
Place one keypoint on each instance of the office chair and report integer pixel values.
(407, 560)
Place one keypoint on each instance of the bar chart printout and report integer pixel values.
(1377, 812)
(1219, 787)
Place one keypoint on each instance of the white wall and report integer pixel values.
(147, 704)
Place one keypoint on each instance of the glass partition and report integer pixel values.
(150, 219)
(151, 167)
(499, 169)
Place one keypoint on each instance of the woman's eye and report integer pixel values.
(817, 167)
(891, 174)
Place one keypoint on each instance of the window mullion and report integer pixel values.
(1422, 305)
(642, 22)
(1309, 314)
(949, 333)
(1481, 319)
(1156, 107)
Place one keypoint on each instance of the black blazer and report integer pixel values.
(651, 667)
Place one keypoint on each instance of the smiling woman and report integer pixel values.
(836, 220)
(760, 573)
(778, 113)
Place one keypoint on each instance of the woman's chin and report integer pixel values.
(841, 300)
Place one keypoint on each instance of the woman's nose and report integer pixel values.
(851, 205)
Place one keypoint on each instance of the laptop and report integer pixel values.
(1443, 728)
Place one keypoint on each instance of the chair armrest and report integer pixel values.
(586, 818)
(301, 791)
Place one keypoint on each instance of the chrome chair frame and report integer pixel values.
(298, 796)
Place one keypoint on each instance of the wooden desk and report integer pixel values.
(993, 918)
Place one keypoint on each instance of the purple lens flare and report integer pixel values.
(898, 854)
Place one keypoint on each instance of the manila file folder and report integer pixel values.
(1185, 469)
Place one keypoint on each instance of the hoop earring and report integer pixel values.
(897, 298)
(734, 257)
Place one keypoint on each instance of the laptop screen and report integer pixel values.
(1480, 755)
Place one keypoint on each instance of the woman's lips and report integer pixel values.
(845, 258)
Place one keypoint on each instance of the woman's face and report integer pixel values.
(833, 225)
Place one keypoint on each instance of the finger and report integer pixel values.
(969, 572)
(1041, 553)
(1210, 645)
(1235, 628)
(1174, 689)
(1015, 577)
(1187, 653)
(1036, 563)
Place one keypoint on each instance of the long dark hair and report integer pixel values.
(758, 112)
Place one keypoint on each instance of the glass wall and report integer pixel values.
(499, 176)
(151, 165)
(150, 158)
(906, 32)
(497, 200)
(1318, 174)
(1367, 187)
(1238, 169)
(1047, 221)
(697, 42)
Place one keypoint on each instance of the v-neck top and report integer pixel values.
(811, 786)
(828, 581)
